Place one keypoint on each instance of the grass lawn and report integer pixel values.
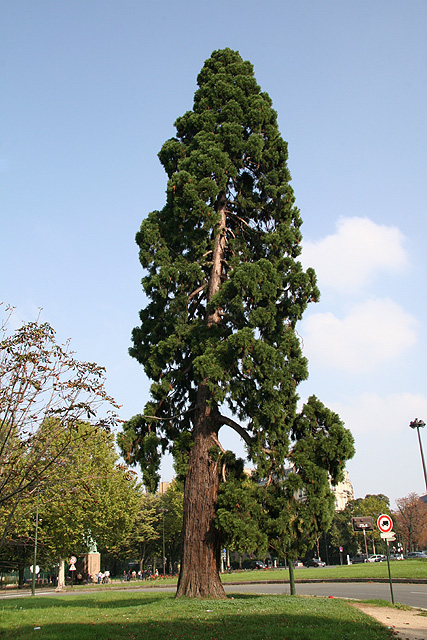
(399, 569)
(113, 615)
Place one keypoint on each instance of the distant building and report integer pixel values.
(163, 487)
(424, 498)
(343, 491)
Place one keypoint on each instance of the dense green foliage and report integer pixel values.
(158, 515)
(45, 395)
(229, 147)
(342, 534)
(217, 337)
(89, 498)
(286, 517)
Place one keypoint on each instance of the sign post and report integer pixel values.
(363, 524)
(73, 561)
(385, 525)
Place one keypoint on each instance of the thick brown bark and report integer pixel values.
(199, 575)
(217, 260)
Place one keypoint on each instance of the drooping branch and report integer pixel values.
(168, 418)
(241, 431)
(194, 293)
(237, 428)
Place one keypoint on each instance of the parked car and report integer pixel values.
(396, 556)
(415, 554)
(259, 564)
(377, 557)
(359, 557)
(315, 562)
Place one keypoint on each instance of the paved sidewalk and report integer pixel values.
(407, 625)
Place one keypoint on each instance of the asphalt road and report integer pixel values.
(414, 595)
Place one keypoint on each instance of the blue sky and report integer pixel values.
(90, 91)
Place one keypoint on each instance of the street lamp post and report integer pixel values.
(416, 424)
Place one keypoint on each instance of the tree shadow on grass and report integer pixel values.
(63, 602)
(247, 616)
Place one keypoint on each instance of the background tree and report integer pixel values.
(41, 382)
(172, 508)
(342, 534)
(225, 291)
(89, 497)
(411, 522)
(92, 498)
(141, 542)
(287, 515)
(17, 551)
(157, 513)
(241, 515)
(321, 446)
(372, 505)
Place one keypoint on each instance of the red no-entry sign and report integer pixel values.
(385, 523)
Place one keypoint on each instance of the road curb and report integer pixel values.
(332, 580)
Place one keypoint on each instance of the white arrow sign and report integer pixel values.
(390, 535)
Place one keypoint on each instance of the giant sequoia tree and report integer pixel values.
(225, 291)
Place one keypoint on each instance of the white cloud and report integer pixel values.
(376, 415)
(373, 332)
(359, 249)
(387, 456)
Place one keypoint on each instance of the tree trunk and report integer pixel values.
(21, 569)
(291, 576)
(200, 567)
(61, 575)
(199, 574)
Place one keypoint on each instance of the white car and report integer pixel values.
(378, 557)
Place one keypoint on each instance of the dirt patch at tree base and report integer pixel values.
(408, 625)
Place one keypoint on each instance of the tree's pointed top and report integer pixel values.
(224, 61)
(224, 58)
(225, 66)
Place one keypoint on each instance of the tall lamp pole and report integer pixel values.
(416, 424)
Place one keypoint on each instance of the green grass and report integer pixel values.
(113, 615)
(379, 602)
(410, 569)
(399, 569)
